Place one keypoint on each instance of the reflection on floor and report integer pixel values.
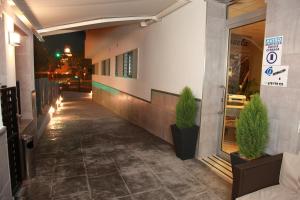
(229, 147)
(229, 141)
(89, 153)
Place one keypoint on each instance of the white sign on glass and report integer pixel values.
(273, 51)
(275, 76)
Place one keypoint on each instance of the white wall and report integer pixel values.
(23, 69)
(1, 123)
(171, 52)
(2, 52)
(9, 53)
(25, 74)
(8, 21)
(2, 42)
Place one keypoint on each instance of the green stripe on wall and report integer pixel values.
(105, 88)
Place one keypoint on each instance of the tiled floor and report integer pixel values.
(88, 153)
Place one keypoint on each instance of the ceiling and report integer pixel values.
(52, 13)
(60, 16)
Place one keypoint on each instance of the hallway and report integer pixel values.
(87, 152)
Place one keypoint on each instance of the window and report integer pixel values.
(126, 64)
(95, 68)
(105, 67)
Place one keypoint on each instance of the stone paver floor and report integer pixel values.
(87, 152)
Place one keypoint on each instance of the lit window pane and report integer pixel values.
(242, 7)
(126, 64)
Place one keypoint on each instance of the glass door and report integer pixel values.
(243, 77)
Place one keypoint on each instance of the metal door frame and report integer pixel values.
(246, 19)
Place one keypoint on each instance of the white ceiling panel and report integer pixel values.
(50, 13)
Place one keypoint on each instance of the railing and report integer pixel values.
(77, 85)
(68, 82)
(46, 92)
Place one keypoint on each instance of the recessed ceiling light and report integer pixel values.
(11, 3)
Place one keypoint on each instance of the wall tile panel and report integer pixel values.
(155, 116)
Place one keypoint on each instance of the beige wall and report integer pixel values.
(215, 73)
(283, 103)
(25, 74)
(171, 52)
(5, 186)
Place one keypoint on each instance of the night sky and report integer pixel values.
(58, 42)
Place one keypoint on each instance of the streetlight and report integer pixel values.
(67, 50)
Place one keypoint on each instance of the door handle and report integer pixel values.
(222, 99)
(224, 93)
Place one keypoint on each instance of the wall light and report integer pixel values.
(58, 102)
(14, 39)
(11, 3)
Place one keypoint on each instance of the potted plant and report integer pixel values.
(251, 132)
(185, 132)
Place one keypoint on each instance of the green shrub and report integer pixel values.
(252, 129)
(186, 109)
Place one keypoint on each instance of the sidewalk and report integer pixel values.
(87, 152)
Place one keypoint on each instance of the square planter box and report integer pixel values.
(236, 159)
(185, 141)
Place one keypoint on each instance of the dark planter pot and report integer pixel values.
(185, 141)
(236, 159)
